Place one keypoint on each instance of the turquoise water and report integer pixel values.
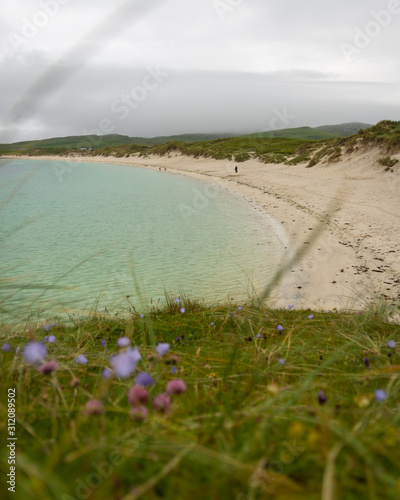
(71, 234)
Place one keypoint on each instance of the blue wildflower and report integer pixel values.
(6, 348)
(81, 359)
(380, 395)
(134, 355)
(123, 365)
(47, 327)
(280, 328)
(144, 379)
(163, 348)
(123, 342)
(107, 373)
(35, 352)
(281, 361)
(391, 344)
(311, 316)
(183, 310)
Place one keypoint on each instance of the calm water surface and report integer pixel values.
(70, 237)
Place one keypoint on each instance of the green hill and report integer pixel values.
(95, 141)
(304, 133)
(344, 129)
(57, 144)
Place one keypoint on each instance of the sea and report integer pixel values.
(82, 237)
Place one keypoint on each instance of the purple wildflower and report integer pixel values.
(177, 386)
(123, 342)
(163, 348)
(212, 324)
(144, 379)
(162, 403)
(138, 394)
(281, 361)
(134, 354)
(47, 327)
(380, 395)
(391, 344)
(35, 352)
(280, 328)
(51, 339)
(106, 373)
(49, 367)
(259, 336)
(177, 300)
(183, 310)
(311, 316)
(322, 399)
(103, 343)
(81, 359)
(290, 306)
(94, 407)
(123, 365)
(6, 348)
(142, 315)
(139, 413)
(173, 370)
(239, 308)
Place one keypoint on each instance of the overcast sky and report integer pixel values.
(163, 67)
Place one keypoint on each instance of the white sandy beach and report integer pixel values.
(355, 260)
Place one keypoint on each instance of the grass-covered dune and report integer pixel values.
(280, 404)
(294, 149)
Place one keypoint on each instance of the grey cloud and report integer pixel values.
(230, 75)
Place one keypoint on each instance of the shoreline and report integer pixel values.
(352, 262)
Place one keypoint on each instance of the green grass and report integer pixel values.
(247, 427)
(388, 162)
